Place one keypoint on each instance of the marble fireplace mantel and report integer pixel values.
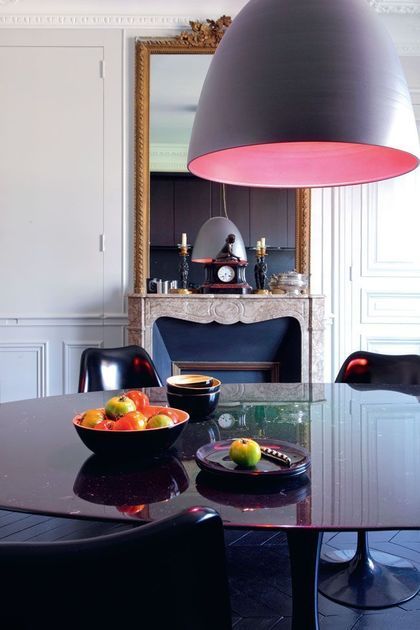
(308, 310)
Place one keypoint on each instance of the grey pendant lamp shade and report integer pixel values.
(304, 93)
(211, 238)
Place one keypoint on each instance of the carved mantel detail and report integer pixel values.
(308, 310)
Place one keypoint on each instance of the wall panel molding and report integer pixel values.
(390, 345)
(40, 349)
(72, 352)
(390, 307)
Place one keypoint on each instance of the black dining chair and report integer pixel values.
(385, 580)
(169, 574)
(104, 369)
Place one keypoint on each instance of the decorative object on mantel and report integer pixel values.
(183, 266)
(224, 265)
(261, 268)
(345, 118)
(290, 283)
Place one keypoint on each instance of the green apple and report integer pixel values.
(119, 406)
(245, 452)
(159, 421)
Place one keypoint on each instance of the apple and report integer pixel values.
(92, 417)
(168, 412)
(139, 398)
(159, 421)
(119, 406)
(105, 425)
(245, 452)
(133, 421)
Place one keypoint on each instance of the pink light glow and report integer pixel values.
(303, 164)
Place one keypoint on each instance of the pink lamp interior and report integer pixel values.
(303, 164)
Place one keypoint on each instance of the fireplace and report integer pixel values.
(247, 338)
(236, 353)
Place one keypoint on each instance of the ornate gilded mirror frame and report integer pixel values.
(202, 39)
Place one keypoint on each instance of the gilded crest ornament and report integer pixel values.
(208, 33)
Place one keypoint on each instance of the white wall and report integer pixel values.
(64, 124)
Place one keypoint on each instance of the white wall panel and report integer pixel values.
(391, 345)
(51, 169)
(23, 369)
(72, 353)
(30, 366)
(390, 307)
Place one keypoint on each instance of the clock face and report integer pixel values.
(226, 421)
(226, 273)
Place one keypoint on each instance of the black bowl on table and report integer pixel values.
(139, 444)
(198, 406)
(181, 384)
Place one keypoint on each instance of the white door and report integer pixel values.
(58, 191)
(365, 257)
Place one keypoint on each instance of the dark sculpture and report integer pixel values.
(226, 253)
(260, 271)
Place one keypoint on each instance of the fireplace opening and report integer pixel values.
(268, 351)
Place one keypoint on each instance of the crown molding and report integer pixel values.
(395, 8)
(170, 158)
(149, 22)
(146, 22)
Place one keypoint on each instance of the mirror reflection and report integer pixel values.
(181, 203)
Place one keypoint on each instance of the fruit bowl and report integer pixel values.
(146, 443)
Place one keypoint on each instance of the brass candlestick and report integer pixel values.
(261, 271)
(183, 269)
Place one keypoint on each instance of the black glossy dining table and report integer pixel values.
(364, 445)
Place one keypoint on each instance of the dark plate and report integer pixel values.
(214, 458)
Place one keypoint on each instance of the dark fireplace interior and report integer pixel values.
(274, 343)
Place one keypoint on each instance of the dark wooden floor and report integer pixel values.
(258, 570)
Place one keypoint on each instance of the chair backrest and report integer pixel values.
(104, 369)
(382, 369)
(169, 574)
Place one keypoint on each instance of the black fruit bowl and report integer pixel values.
(124, 444)
(193, 390)
(199, 406)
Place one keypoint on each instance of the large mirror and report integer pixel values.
(170, 201)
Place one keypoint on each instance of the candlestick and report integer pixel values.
(260, 269)
(183, 266)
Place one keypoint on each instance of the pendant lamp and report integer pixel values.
(304, 93)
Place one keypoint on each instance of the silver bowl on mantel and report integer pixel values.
(289, 283)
